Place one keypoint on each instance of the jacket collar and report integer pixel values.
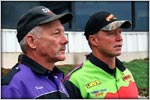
(34, 66)
(99, 63)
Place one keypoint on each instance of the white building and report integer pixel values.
(135, 45)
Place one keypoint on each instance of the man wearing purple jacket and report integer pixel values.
(40, 34)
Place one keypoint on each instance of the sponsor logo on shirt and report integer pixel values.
(126, 77)
(94, 83)
(98, 93)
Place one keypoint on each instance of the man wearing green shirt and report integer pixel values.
(102, 75)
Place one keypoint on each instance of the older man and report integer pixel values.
(41, 36)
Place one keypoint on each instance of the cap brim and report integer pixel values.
(116, 24)
(64, 18)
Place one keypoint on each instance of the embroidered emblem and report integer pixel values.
(94, 83)
(110, 17)
(46, 10)
(39, 87)
(98, 91)
(99, 94)
(126, 78)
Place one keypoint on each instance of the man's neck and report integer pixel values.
(41, 61)
(110, 61)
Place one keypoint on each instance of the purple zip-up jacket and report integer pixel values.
(31, 80)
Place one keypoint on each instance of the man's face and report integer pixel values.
(52, 41)
(109, 43)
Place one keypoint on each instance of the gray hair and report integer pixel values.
(36, 32)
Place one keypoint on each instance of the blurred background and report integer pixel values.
(135, 44)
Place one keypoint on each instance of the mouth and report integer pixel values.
(63, 49)
(118, 47)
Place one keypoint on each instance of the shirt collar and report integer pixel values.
(34, 66)
(104, 66)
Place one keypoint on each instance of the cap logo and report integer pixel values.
(46, 10)
(110, 17)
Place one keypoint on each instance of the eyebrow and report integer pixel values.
(106, 30)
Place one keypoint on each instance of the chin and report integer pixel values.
(62, 58)
(118, 54)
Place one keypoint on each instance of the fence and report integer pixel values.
(132, 41)
(135, 46)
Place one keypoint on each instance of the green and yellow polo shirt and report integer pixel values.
(94, 79)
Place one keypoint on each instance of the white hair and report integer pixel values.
(36, 32)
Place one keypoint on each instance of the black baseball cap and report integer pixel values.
(37, 16)
(104, 20)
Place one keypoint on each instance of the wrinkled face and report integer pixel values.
(109, 43)
(52, 41)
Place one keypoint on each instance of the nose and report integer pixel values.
(119, 37)
(65, 39)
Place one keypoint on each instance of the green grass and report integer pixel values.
(66, 68)
(139, 69)
(140, 72)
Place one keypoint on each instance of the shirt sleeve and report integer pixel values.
(73, 91)
(10, 92)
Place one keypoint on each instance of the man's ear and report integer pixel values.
(93, 40)
(30, 39)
